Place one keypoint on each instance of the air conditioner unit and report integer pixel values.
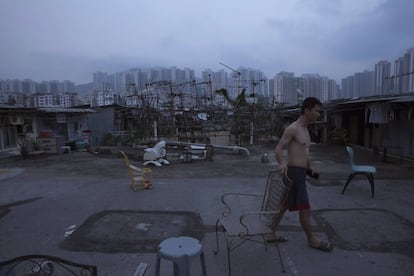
(15, 119)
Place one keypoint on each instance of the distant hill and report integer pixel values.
(84, 89)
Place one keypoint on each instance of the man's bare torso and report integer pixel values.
(298, 148)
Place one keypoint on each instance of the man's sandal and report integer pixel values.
(325, 246)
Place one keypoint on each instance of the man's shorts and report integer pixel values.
(298, 196)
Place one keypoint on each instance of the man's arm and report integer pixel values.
(287, 137)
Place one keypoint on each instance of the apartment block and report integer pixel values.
(382, 77)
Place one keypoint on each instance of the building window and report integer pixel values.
(28, 124)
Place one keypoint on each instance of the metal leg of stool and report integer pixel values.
(157, 266)
(176, 269)
(203, 264)
(182, 267)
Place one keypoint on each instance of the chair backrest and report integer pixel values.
(125, 158)
(351, 156)
(275, 190)
(131, 173)
(45, 265)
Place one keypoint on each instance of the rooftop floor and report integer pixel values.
(116, 228)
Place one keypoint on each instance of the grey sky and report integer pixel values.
(71, 39)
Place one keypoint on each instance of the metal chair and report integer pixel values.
(242, 222)
(45, 265)
(368, 171)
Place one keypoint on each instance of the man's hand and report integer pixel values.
(311, 173)
(282, 169)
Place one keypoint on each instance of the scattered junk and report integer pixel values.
(156, 155)
(142, 267)
(186, 152)
(69, 230)
(265, 158)
(195, 151)
(187, 155)
(143, 226)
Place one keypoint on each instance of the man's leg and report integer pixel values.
(305, 221)
(275, 223)
(304, 216)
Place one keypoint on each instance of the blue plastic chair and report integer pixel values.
(368, 171)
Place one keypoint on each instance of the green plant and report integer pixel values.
(36, 145)
(24, 145)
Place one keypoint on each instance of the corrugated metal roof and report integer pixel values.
(405, 99)
(6, 108)
(368, 100)
(65, 110)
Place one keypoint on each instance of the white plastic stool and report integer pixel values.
(180, 251)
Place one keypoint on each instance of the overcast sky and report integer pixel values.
(71, 39)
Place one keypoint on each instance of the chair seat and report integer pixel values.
(361, 168)
(179, 247)
(256, 225)
(368, 171)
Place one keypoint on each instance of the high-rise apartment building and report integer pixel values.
(43, 87)
(347, 85)
(410, 59)
(285, 88)
(28, 86)
(398, 76)
(382, 77)
(100, 81)
(360, 84)
(254, 81)
(141, 79)
(67, 99)
(333, 90)
(272, 90)
(384, 80)
(53, 86)
(211, 81)
(404, 77)
(103, 98)
(312, 86)
(67, 87)
(45, 100)
(11, 85)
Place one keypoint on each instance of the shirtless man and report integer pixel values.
(297, 141)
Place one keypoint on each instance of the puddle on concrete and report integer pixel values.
(367, 229)
(132, 231)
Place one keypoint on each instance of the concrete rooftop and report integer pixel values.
(116, 228)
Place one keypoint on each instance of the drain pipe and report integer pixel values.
(233, 148)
